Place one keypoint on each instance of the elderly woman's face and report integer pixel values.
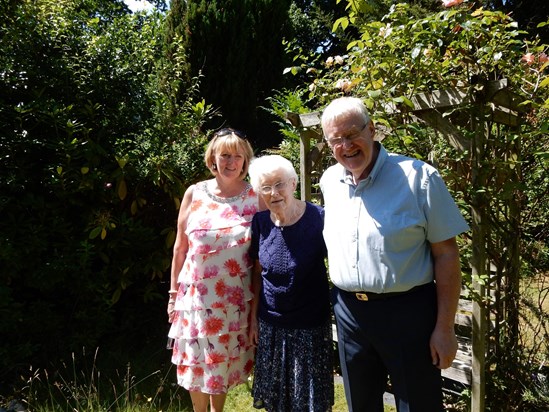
(277, 190)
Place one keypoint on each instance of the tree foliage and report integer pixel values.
(91, 172)
(235, 46)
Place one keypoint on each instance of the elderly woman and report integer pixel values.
(291, 307)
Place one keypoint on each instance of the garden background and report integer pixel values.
(104, 116)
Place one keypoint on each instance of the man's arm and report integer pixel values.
(447, 270)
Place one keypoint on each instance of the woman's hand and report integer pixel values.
(171, 310)
(253, 334)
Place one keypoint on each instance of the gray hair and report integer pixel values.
(264, 166)
(344, 106)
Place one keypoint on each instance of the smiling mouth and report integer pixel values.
(353, 154)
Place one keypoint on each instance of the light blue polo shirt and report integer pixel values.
(378, 233)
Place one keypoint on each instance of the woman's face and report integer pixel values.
(277, 191)
(229, 164)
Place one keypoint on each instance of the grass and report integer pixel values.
(239, 399)
(76, 387)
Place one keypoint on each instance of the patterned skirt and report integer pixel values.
(294, 369)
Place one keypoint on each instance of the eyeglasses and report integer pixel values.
(338, 141)
(277, 187)
(228, 131)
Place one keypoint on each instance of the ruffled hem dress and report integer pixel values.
(213, 304)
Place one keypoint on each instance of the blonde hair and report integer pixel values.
(230, 140)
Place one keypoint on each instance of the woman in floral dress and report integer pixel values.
(210, 293)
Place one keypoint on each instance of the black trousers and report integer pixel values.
(388, 337)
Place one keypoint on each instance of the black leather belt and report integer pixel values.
(366, 296)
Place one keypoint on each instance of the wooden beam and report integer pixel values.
(434, 119)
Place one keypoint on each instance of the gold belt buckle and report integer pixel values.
(361, 296)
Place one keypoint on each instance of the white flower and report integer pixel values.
(344, 84)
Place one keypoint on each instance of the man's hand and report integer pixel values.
(443, 346)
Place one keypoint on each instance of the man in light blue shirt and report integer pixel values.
(390, 227)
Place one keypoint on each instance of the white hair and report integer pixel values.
(264, 166)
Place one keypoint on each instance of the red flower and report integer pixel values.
(234, 326)
(233, 267)
(249, 365)
(211, 272)
(214, 357)
(234, 377)
(198, 371)
(212, 325)
(195, 205)
(242, 341)
(220, 288)
(224, 339)
(215, 383)
(202, 289)
(236, 296)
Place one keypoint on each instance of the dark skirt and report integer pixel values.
(294, 369)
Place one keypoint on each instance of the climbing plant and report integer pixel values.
(484, 125)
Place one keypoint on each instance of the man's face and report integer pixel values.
(352, 143)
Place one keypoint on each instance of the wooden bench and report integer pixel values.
(458, 376)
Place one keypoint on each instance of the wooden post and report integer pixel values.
(305, 166)
(479, 264)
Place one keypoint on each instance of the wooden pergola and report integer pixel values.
(447, 112)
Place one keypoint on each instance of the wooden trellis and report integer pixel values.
(444, 110)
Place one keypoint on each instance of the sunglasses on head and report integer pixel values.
(228, 131)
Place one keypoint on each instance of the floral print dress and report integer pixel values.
(212, 309)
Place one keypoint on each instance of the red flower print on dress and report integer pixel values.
(203, 249)
(242, 341)
(234, 326)
(217, 305)
(205, 224)
(234, 378)
(195, 205)
(202, 289)
(249, 210)
(220, 288)
(215, 357)
(182, 368)
(235, 295)
(224, 339)
(229, 214)
(215, 384)
(199, 234)
(195, 275)
(212, 325)
(198, 371)
(233, 267)
(213, 206)
(248, 367)
(211, 272)
(193, 330)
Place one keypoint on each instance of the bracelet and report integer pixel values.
(172, 291)
(171, 302)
